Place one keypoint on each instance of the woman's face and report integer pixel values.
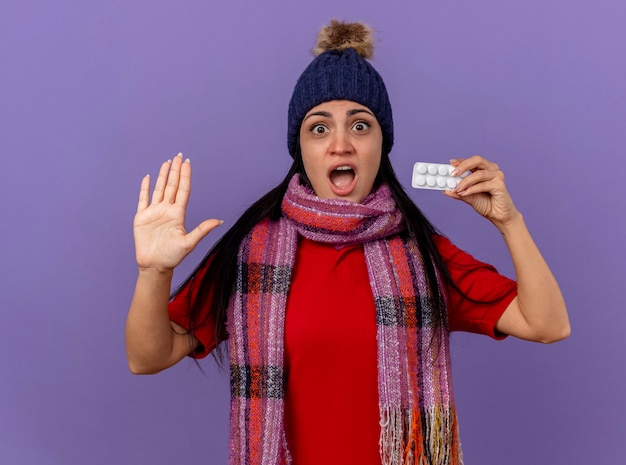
(341, 143)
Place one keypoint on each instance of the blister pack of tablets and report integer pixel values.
(434, 176)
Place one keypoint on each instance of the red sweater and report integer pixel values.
(331, 398)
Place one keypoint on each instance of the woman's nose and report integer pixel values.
(341, 143)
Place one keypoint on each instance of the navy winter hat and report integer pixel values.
(341, 71)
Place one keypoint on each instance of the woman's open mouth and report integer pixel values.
(342, 180)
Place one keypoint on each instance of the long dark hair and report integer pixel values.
(215, 287)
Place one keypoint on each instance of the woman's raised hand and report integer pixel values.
(484, 189)
(161, 241)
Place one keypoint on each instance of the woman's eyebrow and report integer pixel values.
(318, 113)
(358, 110)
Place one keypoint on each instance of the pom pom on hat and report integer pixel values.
(339, 36)
(341, 71)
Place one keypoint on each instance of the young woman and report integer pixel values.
(335, 294)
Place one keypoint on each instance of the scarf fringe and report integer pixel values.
(402, 442)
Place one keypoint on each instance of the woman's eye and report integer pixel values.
(360, 126)
(319, 129)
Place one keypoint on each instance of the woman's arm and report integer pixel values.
(153, 342)
(538, 313)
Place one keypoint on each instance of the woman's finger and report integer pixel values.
(144, 193)
(200, 231)
(475, 178)
(184, 187)
(474, 163)
(159, 186)
(488, 186)
(173, 178)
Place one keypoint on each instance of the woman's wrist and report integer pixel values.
(509, 226)
(153, 276)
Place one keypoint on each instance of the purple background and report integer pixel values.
(93, 95)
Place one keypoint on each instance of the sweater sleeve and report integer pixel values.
(485, 294)
(204, 324)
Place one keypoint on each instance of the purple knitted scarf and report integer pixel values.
(417, 415)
